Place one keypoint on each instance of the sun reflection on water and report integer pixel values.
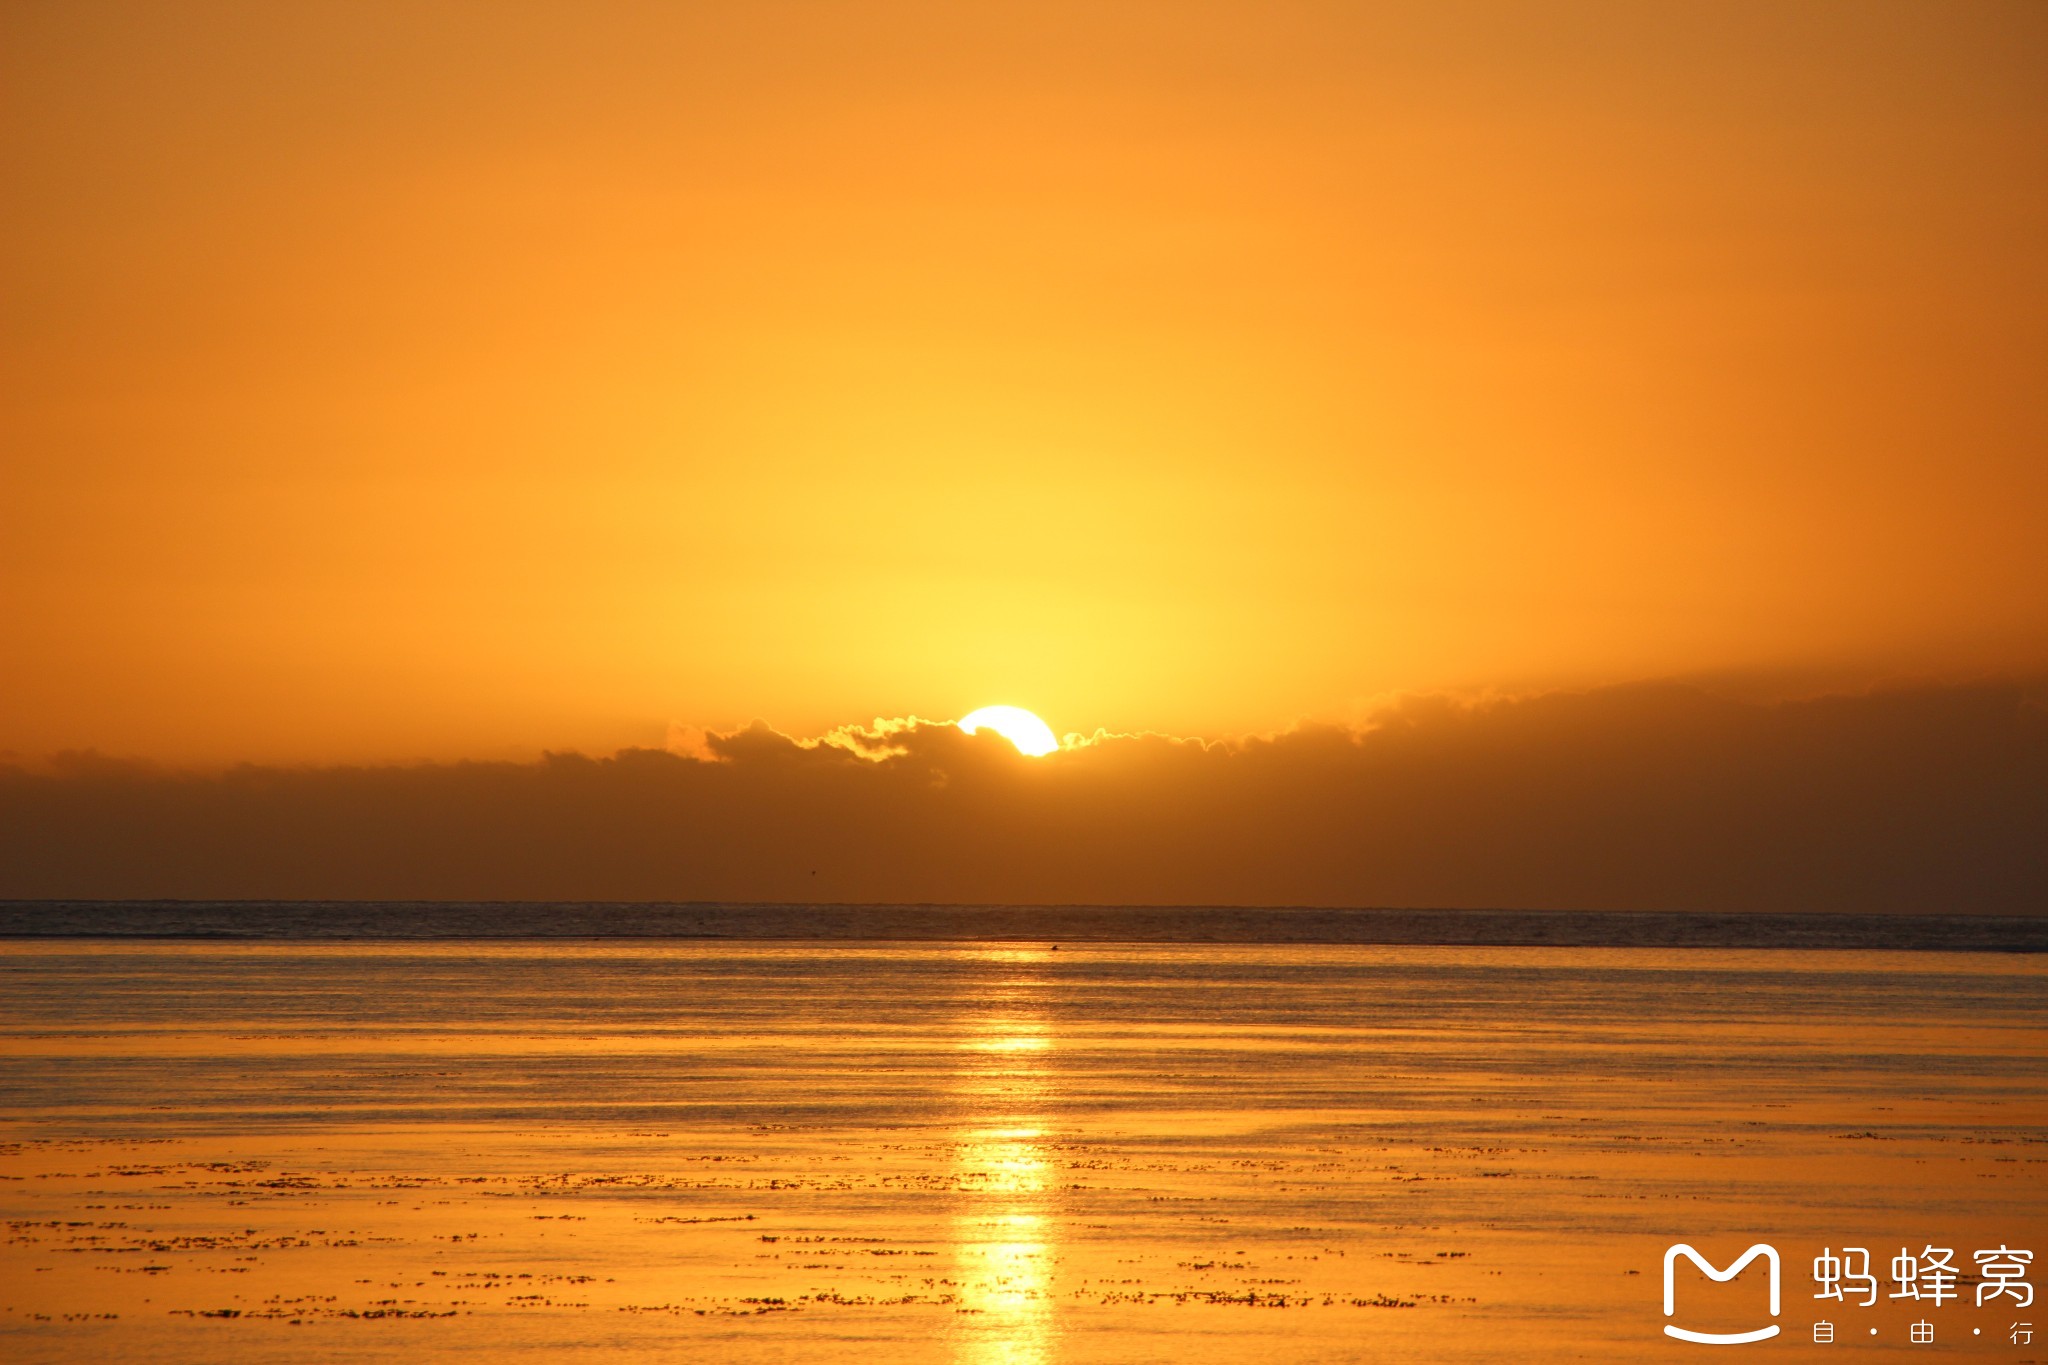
(1006, 1231)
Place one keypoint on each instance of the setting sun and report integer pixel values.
(1030, 734)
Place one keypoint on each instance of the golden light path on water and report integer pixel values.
(1004, 1229)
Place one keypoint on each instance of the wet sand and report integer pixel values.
(961, 1152)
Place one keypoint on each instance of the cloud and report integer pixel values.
(1652, 797)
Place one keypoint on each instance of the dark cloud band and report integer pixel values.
(1632, 798)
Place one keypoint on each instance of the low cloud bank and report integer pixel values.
(1655, 797)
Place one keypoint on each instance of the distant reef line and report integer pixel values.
(1040, 924)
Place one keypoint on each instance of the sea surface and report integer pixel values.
(298, 920)
(839, 1149)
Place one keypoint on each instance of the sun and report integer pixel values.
(1030, 734)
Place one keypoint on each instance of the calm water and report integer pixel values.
(969, 1152)
(1035, 924)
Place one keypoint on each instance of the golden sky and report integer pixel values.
(461, 380)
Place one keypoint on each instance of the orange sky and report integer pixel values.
(461, 380)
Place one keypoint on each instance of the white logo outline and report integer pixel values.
(1735, 1267)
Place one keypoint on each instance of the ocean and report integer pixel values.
(240, 1133)
(308, 920)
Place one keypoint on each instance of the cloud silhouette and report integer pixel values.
(1648, 797)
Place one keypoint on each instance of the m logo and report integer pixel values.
(1677, 1249)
